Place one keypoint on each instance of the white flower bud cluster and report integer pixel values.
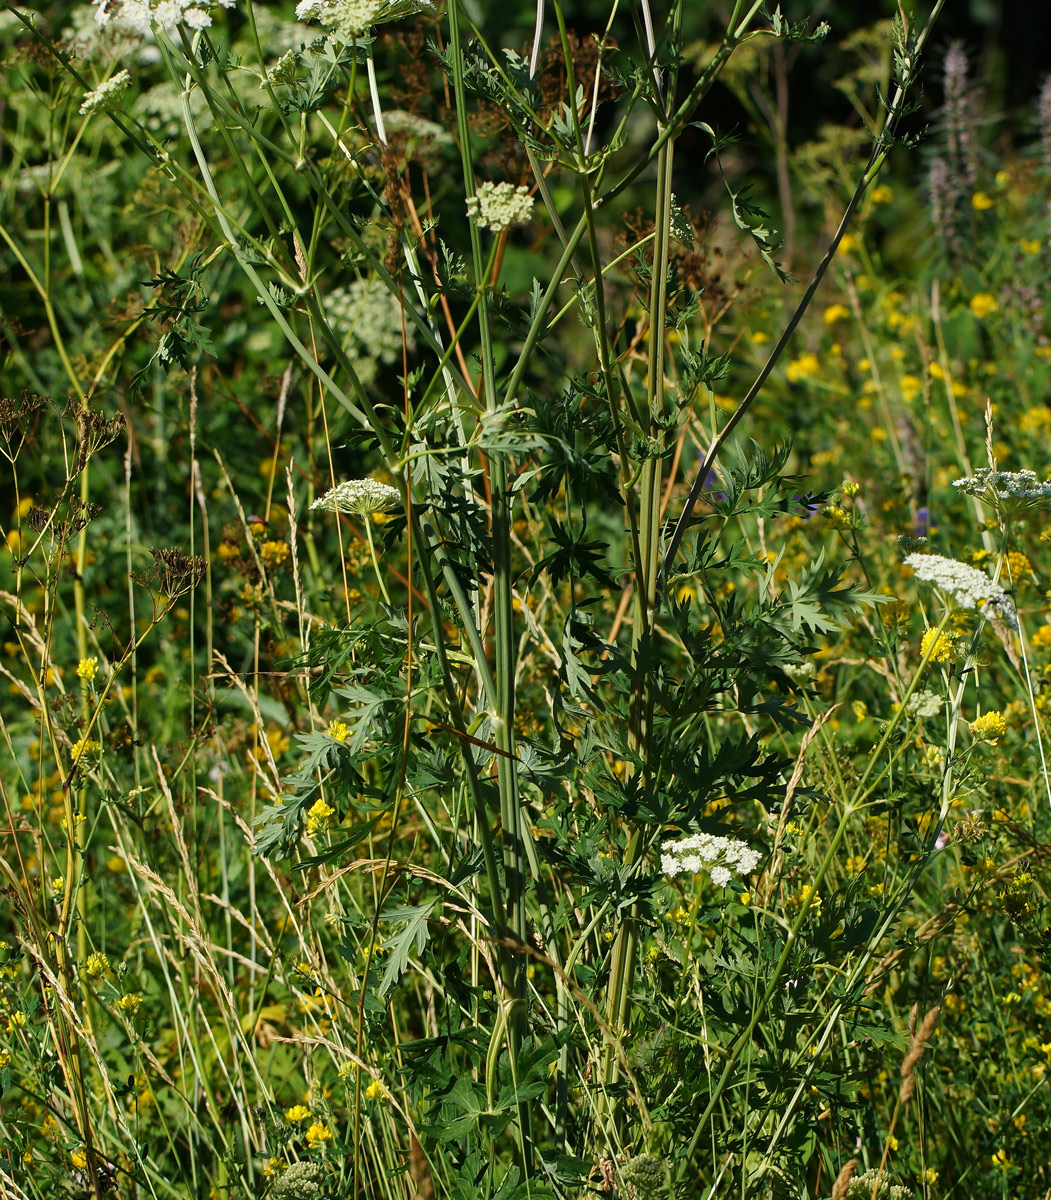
(498, 206)
(800, 673)
(144, 16)
(719, 856)
(359, 497)
(968, 586)
(924, 704)
(108, 96)
(1006, 490)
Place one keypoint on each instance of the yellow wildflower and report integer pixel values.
(943, 646)
(96, 966)
(338, 731)
(318, 1134)
(835, 312)
(848, 243)
(911, 386)
(1029, 245)
(982, 304)
(297, 1113)
(84, 746)
(319, 816)
(130, 1004)
(804, 367)
(836, 516)
(1001, 1161)
(883, 194)
(78, 1160)
(1041, 640)
(988, 727)
(1018, 565)
(275, 554)
(980, 201)
(759, 338)
(87, 668)
(375, 1090)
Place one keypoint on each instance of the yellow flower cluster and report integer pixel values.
(320, 815)
(84, 746)
(804, 367)
(96, 966)
(275, 554)
(944, 646)
(1041, 639)
(988, 727)
(318, 1134)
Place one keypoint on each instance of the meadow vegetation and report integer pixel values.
(526, 650)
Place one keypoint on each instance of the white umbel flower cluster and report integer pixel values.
(359, 497)
(1006, 491)
(348, 20)
(924, 704)
(968, 586)
(719, 856)
(144, 16)
(108, 96)
(498, 206)
(368, 317)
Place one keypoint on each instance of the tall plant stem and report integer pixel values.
(516, 873)
(647, 564)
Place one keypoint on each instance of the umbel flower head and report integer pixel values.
(359, 497)
(719, 856)
(1007, 491)
(145, 15)
(968, 586)
(348, 20)
(301, 1181)
(108, 96)
(498, 206)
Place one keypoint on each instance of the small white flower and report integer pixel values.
(107, 97)
(968, 586)
(360, 497)
(498, 206)
(719, 856)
